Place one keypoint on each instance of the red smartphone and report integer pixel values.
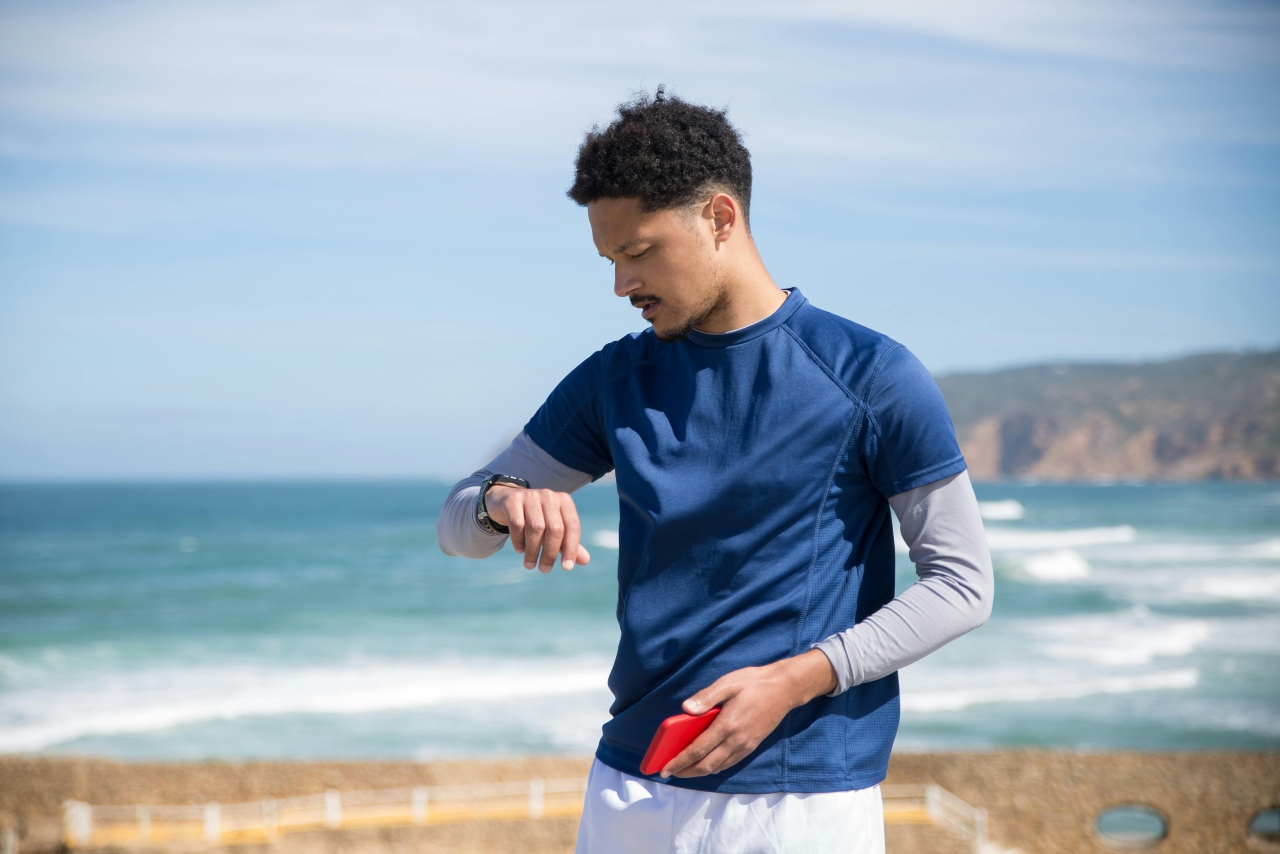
(674, 735)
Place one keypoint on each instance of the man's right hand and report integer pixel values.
(540, 521)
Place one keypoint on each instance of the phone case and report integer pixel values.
(674, 735)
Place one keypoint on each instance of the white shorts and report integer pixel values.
(630, 815)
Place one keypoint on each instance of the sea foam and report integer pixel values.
(1175, 552)
(1008, 510)
(149, 700)
(1013, 691)
(1265, 550)
(1129, 638)
(605, 539)
(1237, 586)
(1029, 539)
(1056, 566)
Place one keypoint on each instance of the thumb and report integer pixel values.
(713, 695)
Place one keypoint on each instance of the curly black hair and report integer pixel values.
(665, 152)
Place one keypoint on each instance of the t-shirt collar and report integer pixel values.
(767, 324)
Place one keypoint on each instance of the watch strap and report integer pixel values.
(486, 523)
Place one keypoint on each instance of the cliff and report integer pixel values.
(1208, 416)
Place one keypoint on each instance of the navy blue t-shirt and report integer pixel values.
(753, 469)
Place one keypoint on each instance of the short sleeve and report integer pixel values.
(570, 425)
(910, 440)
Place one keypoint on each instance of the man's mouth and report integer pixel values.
(647, 306)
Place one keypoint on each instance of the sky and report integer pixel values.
(279, 239)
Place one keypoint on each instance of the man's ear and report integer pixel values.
(724, 216)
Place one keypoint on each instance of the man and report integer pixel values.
(758, 444)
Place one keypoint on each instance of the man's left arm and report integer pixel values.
(943, 529)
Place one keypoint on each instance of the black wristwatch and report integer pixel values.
(482, 513)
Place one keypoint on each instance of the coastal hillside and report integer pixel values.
(1212, 416)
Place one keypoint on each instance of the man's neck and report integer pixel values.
(749, 296)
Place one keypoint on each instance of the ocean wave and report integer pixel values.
(1251, 720)
(502, 578)
(605, 539)
(150, 700)
(1030, 539)
(1234, 587)
(1265, 550)
(1008, 510)
(926, 702)
(1133, 637)
(1185, 584)
(1056, 566)
(1173, 552)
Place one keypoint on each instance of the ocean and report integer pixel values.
(261, 620)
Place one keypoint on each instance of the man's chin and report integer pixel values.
(671, 334)
(680, 330)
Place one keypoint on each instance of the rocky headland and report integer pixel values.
(1211, 416)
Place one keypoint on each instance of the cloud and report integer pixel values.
(924, 89)
(1173, 34)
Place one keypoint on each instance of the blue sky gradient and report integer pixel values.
(313, 239)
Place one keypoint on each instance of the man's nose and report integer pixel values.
(623, 282)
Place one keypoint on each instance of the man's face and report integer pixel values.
(665, 262)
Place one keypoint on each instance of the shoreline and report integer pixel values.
(1038, 800)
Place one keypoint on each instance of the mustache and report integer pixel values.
(637, 299)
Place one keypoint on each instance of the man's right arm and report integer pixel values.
(542, 518)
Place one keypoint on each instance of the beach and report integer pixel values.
(279, 278)
(226, 643)
(1037, 800)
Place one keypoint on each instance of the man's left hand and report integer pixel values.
(755, 700)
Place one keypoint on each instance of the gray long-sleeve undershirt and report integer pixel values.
(940, 523)
(457, 529)
(942, 527)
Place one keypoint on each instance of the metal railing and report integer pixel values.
(86, 825)
(932, 804)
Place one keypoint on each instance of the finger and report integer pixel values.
(554, 534)
(720, 758)
(713, 695)
(696, 751)
(572, 534)
(731, 750)
(534, 526)
(515, 523)
(584, 556)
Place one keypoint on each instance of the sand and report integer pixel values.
(1038, 801)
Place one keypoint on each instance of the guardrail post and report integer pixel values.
(269, 818)
(418, 805)
(536, 791)
(332, 809)
(979, 830)
(212, 823)
(77, 822)
(144, 824)
(931, 802)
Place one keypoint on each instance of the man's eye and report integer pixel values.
(639, 255)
